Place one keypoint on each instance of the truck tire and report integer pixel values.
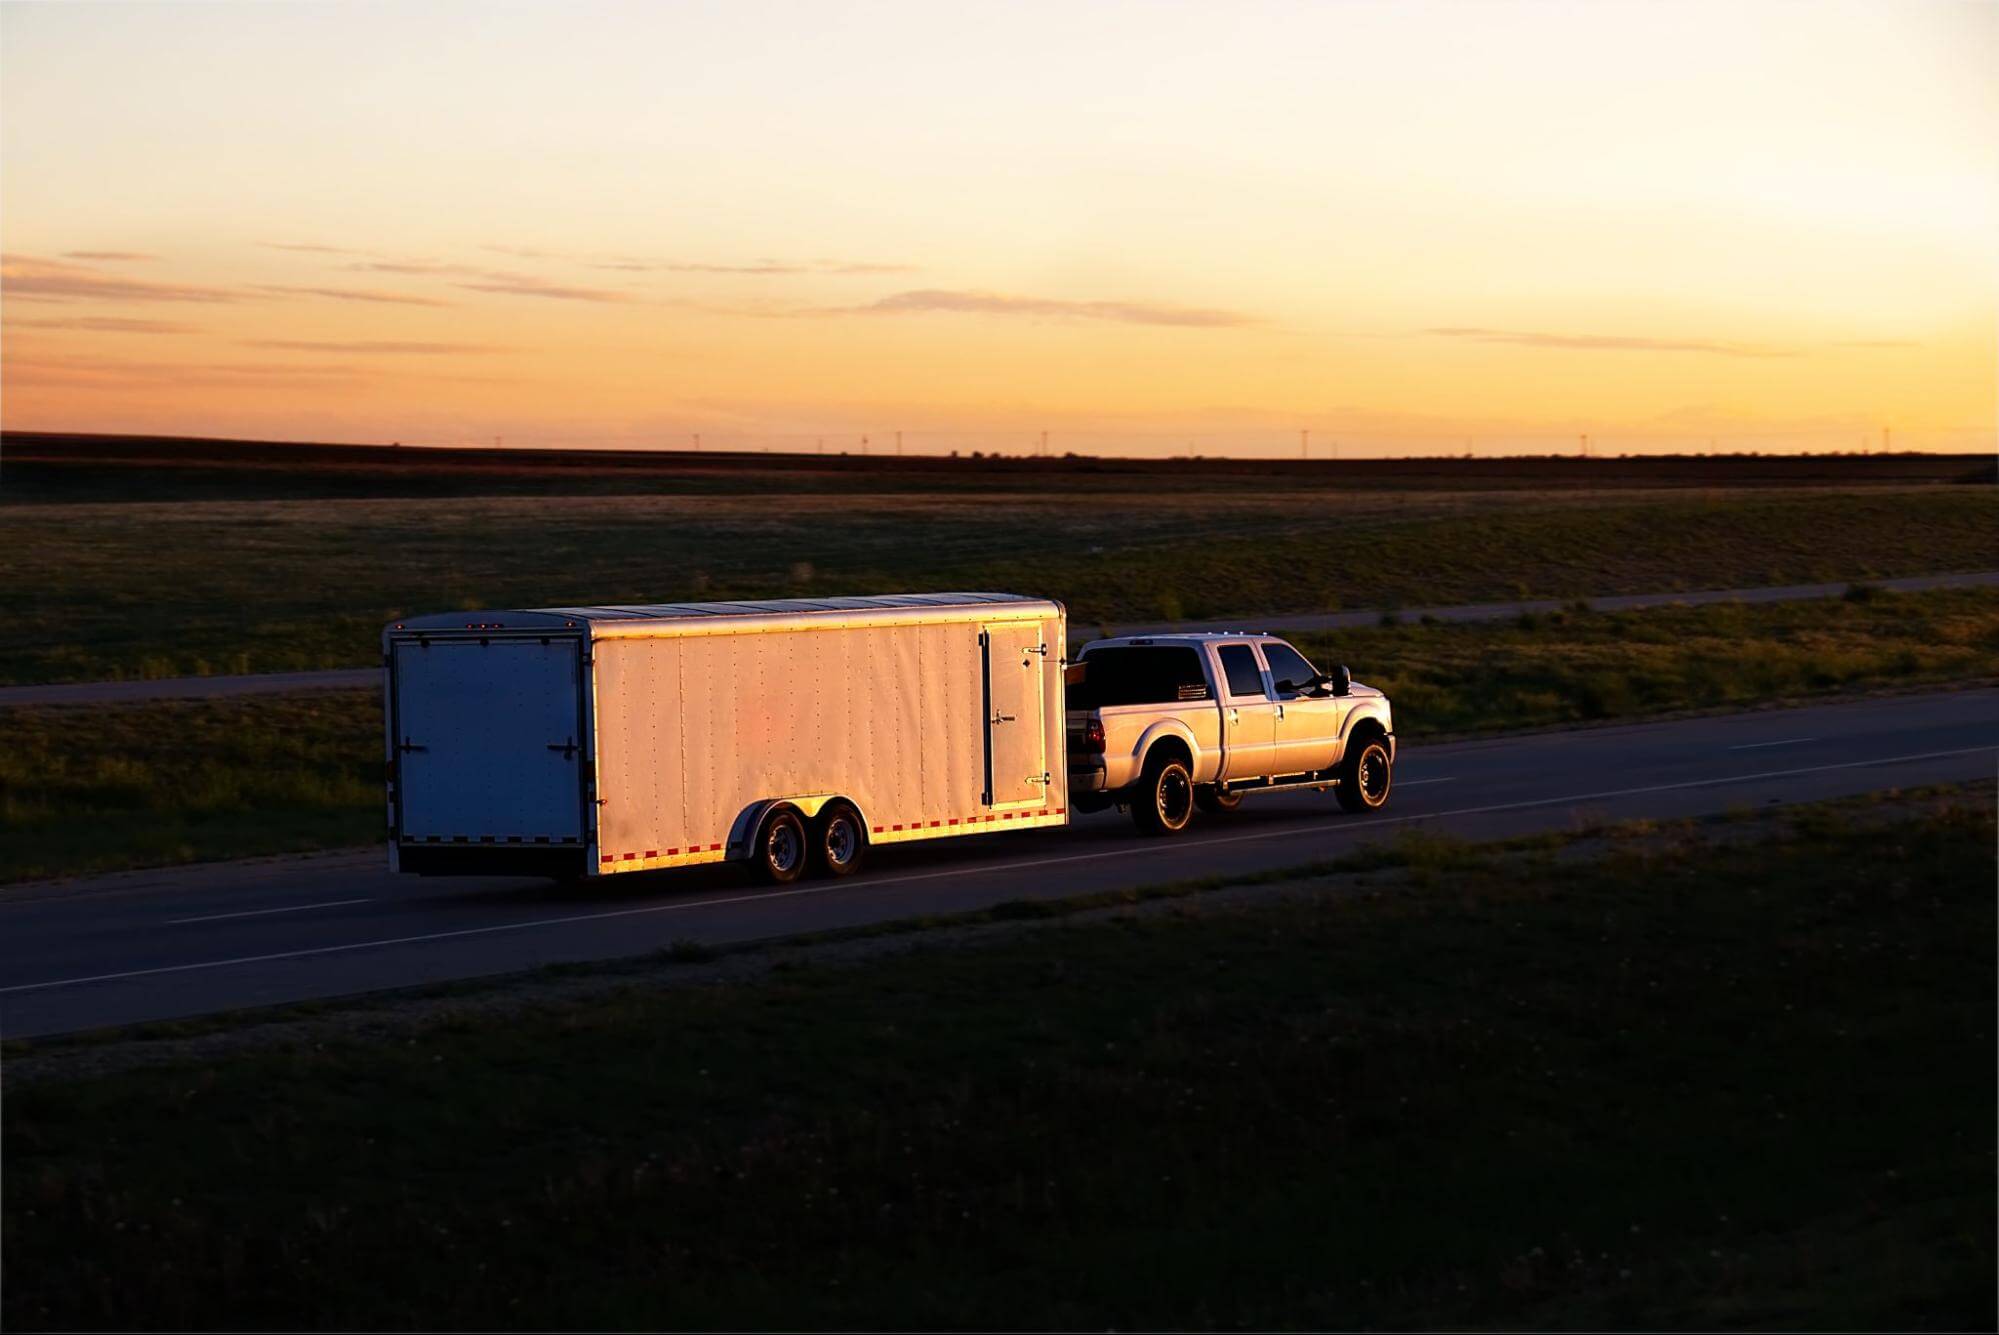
(1366, 775)
(839, 841)
(780, 854)
(1164, 802)
(1214, 801)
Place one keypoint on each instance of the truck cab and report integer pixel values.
(1167, 724)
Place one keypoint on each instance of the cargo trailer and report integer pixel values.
(792, 734)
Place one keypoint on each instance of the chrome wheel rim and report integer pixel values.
(1174, 796)
(1374, 774)
(782, 846)
(840, 841)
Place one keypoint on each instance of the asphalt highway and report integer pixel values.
(331, 679)
(155, 945)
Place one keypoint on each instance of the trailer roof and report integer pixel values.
(625, 615)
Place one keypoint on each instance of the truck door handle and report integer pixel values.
(1003, 718)
(1280, 711)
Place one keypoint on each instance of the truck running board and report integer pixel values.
(1322, 781)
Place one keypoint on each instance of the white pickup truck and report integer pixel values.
(1163, 724)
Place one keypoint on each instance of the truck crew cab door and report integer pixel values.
(1249, 715)
(1307, 726)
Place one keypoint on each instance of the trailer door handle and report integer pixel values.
(1003, 718)
(409, 746)
(567, 746)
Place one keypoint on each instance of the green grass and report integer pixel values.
(88, 788)
(1742, 1086)
(99, 788)
(1582, 666)
(97, 591)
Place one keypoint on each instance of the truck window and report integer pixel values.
(1239, 666)
(1139, 674)
(1287, 664)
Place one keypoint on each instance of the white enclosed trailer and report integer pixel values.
(582, 741)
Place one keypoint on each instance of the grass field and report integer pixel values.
(1681, 1087)
(92, 592)
(99, 788)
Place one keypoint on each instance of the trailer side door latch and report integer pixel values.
(567, 747)
(409, 746)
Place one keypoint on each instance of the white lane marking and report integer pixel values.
(1412, 783)
(765, 896)
(1758, 746)
(260, 913)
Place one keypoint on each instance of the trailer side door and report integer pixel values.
(1017, 772)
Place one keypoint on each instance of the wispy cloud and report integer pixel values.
(106, 324)
(388, 346)
(112, 255)
(309, 248)
(526, 285)
(1877, 343)
(25, 276)
(929, 300)
(780, 267)
(1605, 342)
(414, 267)
(354, 294)
(238, 375)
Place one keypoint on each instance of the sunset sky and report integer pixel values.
(1410, 227)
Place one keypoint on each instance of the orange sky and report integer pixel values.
(1145, 228)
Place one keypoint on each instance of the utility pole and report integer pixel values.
(1886, 437)
(864, 444)
(1044, 444)
(1305, 442)
(898, 444)
(822, 444)
(697, 442)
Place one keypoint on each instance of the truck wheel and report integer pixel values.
(1365, 777)
(780, 854)
(1164, 802)
(1214, 801)
(838, 841)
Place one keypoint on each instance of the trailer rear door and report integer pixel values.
(488, 740)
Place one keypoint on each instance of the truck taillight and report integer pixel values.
(1093, 736)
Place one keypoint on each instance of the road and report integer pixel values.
(187, 941)
(278, 683)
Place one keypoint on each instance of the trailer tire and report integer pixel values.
(1164, 802)
(780, 855)
(1366, 775)
(839, 840)
(1211, 799)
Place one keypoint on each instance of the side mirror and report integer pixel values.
(1342, 680)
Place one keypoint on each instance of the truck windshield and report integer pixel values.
(1139, 674)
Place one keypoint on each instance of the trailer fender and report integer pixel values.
(751, 818)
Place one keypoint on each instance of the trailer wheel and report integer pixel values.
(839, 840)
(1164, 802)
(1211, 799)
(1365, 776)
(780, 854)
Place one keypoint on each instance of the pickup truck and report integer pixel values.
(1165, 724)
